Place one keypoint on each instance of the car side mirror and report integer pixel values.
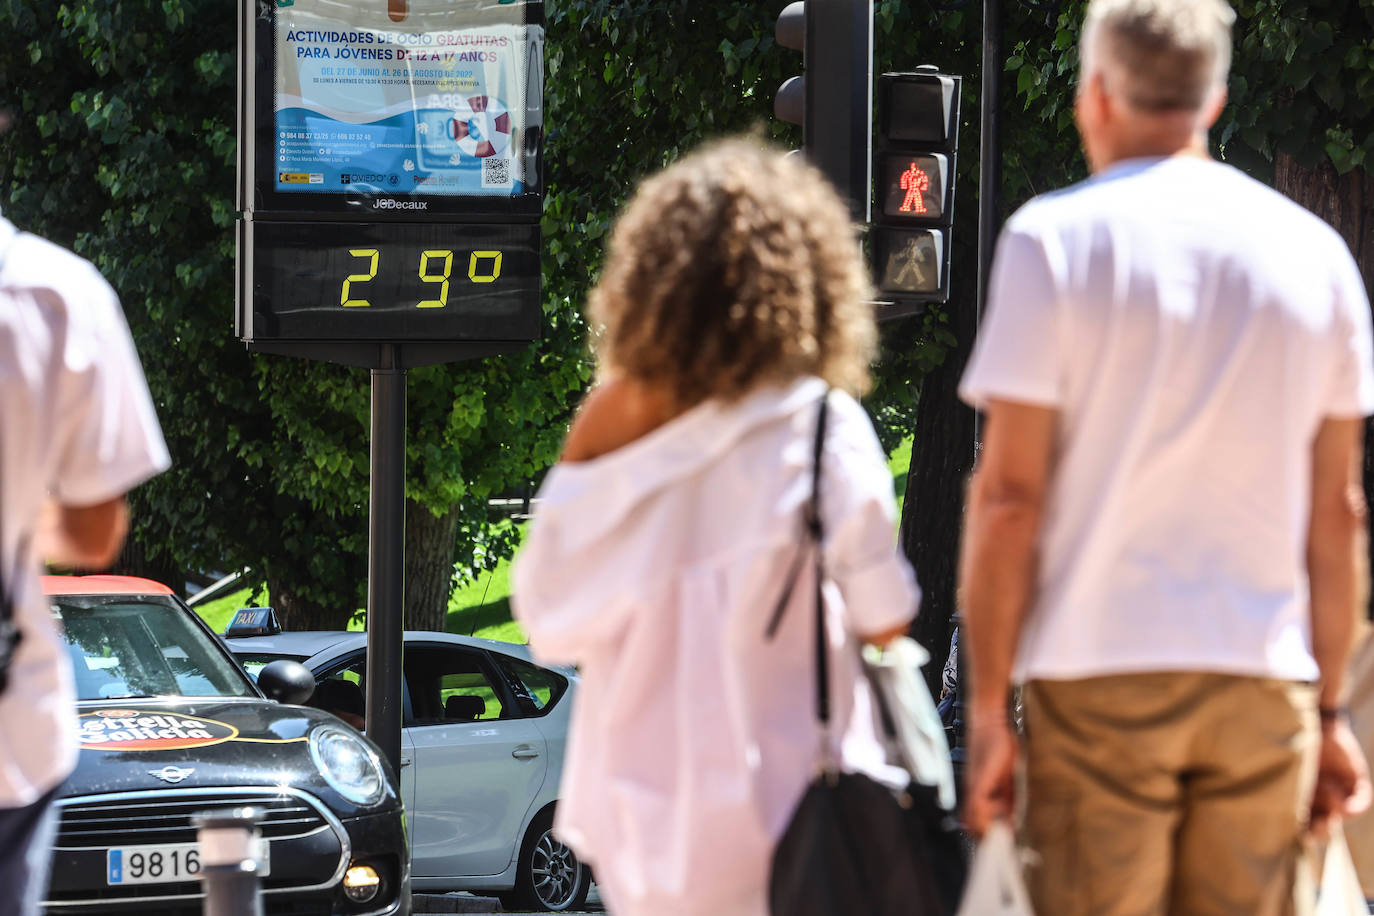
(286, 682)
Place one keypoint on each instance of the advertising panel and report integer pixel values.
(400, 99)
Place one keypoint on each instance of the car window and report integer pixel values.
(135, 646)
(253, 664)
(536, 688)
(342, 691)
(453, 685)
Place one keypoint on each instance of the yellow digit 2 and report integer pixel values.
(442, 279)
(477, 256)
(371, 255)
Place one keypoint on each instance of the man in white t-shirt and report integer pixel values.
(77, 431)
(1164, 525)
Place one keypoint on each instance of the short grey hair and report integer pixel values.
(1160, 55)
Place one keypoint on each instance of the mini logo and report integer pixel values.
(387, 203)
(115, 713)
(172, 773)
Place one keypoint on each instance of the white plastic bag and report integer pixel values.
(1341, 894)
(920, 739)
(994, 882)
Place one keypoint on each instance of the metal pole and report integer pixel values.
(228, 861)
(989, 223)
(386, 555)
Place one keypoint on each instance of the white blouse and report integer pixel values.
(655, 569)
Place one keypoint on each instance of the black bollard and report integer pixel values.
(229, 868)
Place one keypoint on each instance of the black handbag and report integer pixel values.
(854, 847)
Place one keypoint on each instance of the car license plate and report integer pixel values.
(166, 863)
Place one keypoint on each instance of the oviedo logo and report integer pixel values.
(130, 730)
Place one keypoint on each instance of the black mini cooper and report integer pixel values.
(170, 726)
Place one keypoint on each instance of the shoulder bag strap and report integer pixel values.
(21, 548)
(10, 634)
(811, 517)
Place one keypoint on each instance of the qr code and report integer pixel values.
(495, 172)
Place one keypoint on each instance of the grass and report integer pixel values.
(482, 607)
(218, 613)
(900, 462)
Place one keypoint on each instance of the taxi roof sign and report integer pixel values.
(253, 621)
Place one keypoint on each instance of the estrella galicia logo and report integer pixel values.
(130, 730)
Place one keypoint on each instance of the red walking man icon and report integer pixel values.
(914, 181)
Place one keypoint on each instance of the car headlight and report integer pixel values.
(347, 764)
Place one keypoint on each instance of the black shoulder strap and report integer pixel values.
(21, 548)
(10, 635)
(811, 517)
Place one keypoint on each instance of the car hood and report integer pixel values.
(133, 745)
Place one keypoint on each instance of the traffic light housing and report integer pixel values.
(914, 194)
(833, 99)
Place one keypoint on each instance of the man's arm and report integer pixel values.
(85, 537)
(996, 584)
(1338, 582)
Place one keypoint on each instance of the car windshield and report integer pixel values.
(255, 663)
(142, 646)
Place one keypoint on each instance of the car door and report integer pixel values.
(479, 763)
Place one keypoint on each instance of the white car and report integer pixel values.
(482, 743)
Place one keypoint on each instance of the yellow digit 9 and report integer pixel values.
(371, 255)
(442, 279)
(495, 269)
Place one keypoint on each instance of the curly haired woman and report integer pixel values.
(732, 301)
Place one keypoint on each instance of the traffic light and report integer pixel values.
(833, 100)
(914, 194)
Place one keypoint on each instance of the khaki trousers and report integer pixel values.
(1174, 793)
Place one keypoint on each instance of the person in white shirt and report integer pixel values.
(732, 300)
(77, 431)
(1164, 524)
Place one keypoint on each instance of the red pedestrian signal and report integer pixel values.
(914, 181)
(913, 185)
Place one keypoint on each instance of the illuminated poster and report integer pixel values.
(405, 97)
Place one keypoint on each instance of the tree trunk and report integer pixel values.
(430, 544)
(1347, 203)
(297, 612)
(933, 513)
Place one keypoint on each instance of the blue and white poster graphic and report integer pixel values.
(399, 97)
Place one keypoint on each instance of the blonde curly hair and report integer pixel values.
(735, 267)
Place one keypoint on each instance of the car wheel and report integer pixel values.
(549, 877)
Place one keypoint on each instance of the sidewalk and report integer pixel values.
(460, 902)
